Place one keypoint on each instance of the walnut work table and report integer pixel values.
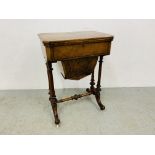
(77, 53)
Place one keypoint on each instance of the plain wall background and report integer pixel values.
(131, 63)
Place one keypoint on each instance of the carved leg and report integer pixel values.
(98, 87)
(52, 97)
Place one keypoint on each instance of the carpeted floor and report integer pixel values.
(128, 111)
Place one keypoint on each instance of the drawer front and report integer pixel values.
(77, 51)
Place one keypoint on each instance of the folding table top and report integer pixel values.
(69, 38)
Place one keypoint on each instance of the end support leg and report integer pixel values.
(96, 91)
(52, 97)
(54, 108)
(97, 96)
(98, 88)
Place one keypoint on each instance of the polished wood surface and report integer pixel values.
(68, 38)
(78, 53)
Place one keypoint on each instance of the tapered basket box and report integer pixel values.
(76, 69)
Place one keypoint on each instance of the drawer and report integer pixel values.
(78, 51)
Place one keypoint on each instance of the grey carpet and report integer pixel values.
(128, 111)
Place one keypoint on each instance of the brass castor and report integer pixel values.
(58, 125)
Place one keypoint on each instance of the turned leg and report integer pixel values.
(92, 83)
(52, 97)
(98, 87)
(96, 91)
